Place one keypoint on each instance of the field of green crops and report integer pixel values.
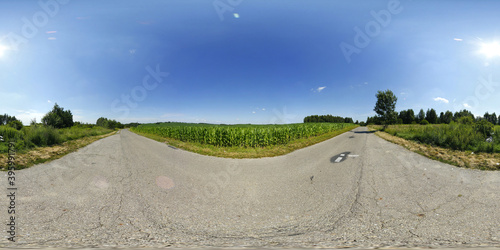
(242, 135)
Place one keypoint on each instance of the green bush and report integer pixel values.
(484, 127)
(424, 122)
(15, 124)
(10, 133)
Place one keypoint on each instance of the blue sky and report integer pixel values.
(246, 61)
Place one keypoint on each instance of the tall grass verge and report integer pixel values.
(41, 136)
(454, 136)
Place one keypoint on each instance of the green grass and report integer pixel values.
(453, 136)
(244, 135)
(41, 136)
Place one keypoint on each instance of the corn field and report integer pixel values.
(240, 135)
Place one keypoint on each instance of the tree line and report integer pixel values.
(386, 114)
(60, 118)
(431, 117)
(328, 118)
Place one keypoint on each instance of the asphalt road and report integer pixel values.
(127, 190)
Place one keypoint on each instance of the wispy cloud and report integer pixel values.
(458, 39)
(467, 106)
(51, 32)
(49, 101)
(440, 99)
(319, 89)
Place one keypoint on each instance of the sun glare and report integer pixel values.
(2, 50)
(490, 49)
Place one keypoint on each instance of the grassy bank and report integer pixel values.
(455, 144)
(37, 144)
(244, 141)
(30, 137)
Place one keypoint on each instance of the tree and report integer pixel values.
(420, 116)
(431, 116)
(462, 113)
(491, 118)
(408, 116)
(448, 117)
(385, 106)
(58, 118)
(111, 124)
(5, 119)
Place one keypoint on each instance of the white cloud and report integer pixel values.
(319, 89)
(440, 99)
(458, 39)
(236, 15)
(467, 106)
(263, 109)
(25, 116)
(253, 112)
(49, 101)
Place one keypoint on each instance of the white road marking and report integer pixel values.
(353, 155)
(338, 159)
(342, 155)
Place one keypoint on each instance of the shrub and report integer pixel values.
(15, 124)
(10, 134)
(484, 127)
(42, 136)
(467, 120)
(424, 122)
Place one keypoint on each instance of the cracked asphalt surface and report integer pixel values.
(129, 191)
